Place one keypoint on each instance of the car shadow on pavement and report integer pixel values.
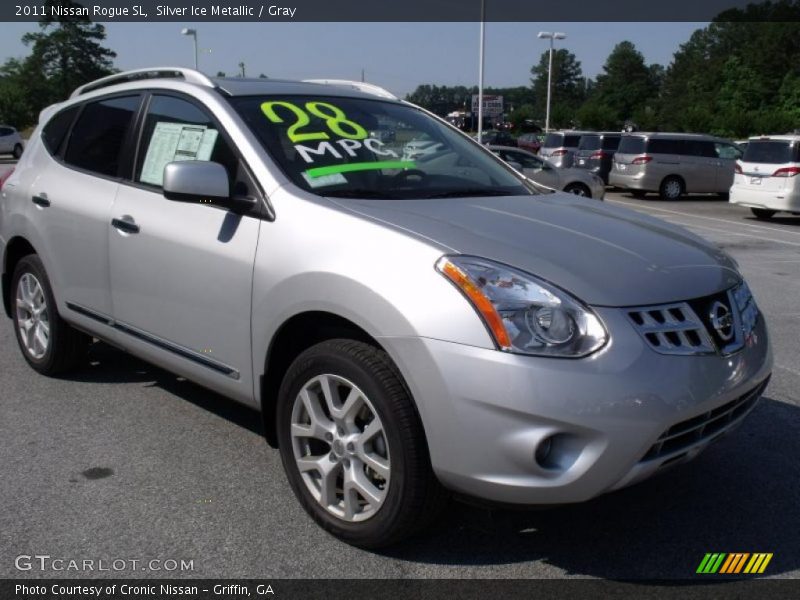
(107, 364)
(741, 495)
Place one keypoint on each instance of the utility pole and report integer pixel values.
(480, 73)
(241, 68)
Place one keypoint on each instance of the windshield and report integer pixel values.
(351, 147)
(773, 152)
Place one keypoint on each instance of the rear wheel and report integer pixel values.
(578, 189)
(17, 151)
(671, 188)
(47, 342)
(353, 446)
(763, 213)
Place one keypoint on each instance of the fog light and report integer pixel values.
(543, 452)
(558, 452)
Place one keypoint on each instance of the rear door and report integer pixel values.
(72, 196)
(181, 273)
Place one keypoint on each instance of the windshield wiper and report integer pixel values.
(360, 193)
(464, 192)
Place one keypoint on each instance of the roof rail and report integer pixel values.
(189, 75)
(367, 88)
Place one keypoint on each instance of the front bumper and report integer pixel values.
(487, 413)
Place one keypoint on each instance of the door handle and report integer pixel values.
(126, 224)
(41, 200)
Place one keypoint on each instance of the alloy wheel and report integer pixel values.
(340, 448)
(33, 318)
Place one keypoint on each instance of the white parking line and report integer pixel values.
(728, 232)
(676, 212)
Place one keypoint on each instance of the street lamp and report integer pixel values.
(193, 33)
(550, 35)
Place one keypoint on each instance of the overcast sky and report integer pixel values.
(398, 56)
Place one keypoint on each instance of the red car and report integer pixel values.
(529, 142)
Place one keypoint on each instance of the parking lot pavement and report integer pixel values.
(123, 460)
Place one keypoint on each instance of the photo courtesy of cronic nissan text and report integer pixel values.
(345, 299)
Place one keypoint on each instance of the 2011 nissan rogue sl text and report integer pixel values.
(408, 328)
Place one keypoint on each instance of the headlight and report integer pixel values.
(524, 314)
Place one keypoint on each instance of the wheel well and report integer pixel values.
(297, 334)
(16, 249)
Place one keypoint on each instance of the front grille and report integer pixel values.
(709, 425)
(720, 323)
(672, 329)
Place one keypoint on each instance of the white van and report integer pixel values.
(766, 176)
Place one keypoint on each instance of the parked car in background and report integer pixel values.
(674, 164)
(501, 138)
(384, 133)
(741, 144)
(419, 147)
(766, 179)
(559, 147)
(572, 181)
(10, 141)
(529, 142)
(595, 152)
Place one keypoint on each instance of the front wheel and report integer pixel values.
(578, 189)
(763, 213)
(353, 446)
(47, 342)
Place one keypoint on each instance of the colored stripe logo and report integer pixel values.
(734, 563)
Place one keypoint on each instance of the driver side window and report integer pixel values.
(176, 130)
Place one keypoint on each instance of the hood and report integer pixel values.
(603, 254)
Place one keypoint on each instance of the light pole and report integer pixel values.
(480, 74)
(550, 35)
(193, 33)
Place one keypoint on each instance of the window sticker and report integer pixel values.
(324, 180)
(174, 142)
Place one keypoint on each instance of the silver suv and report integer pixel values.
(407, 327)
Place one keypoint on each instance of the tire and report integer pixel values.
(578, 189)
(401, 504)
(671, 188)
(763, 214)
(639, 194)
(50, 346)
(17, 151)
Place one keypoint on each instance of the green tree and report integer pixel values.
(69, 50)
(65, 53)
(568, 86)
(626, 84)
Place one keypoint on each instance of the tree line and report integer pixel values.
(738, 76)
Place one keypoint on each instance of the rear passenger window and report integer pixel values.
(175, 130)
(727, 151)
(95, 143)
(700, 148)
(55, 131)
(665, 146)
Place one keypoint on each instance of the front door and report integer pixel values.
(181, 273)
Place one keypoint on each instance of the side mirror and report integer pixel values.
(201, 182)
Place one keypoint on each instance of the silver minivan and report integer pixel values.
(408, 327)
(674, 164)
(559, 148)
